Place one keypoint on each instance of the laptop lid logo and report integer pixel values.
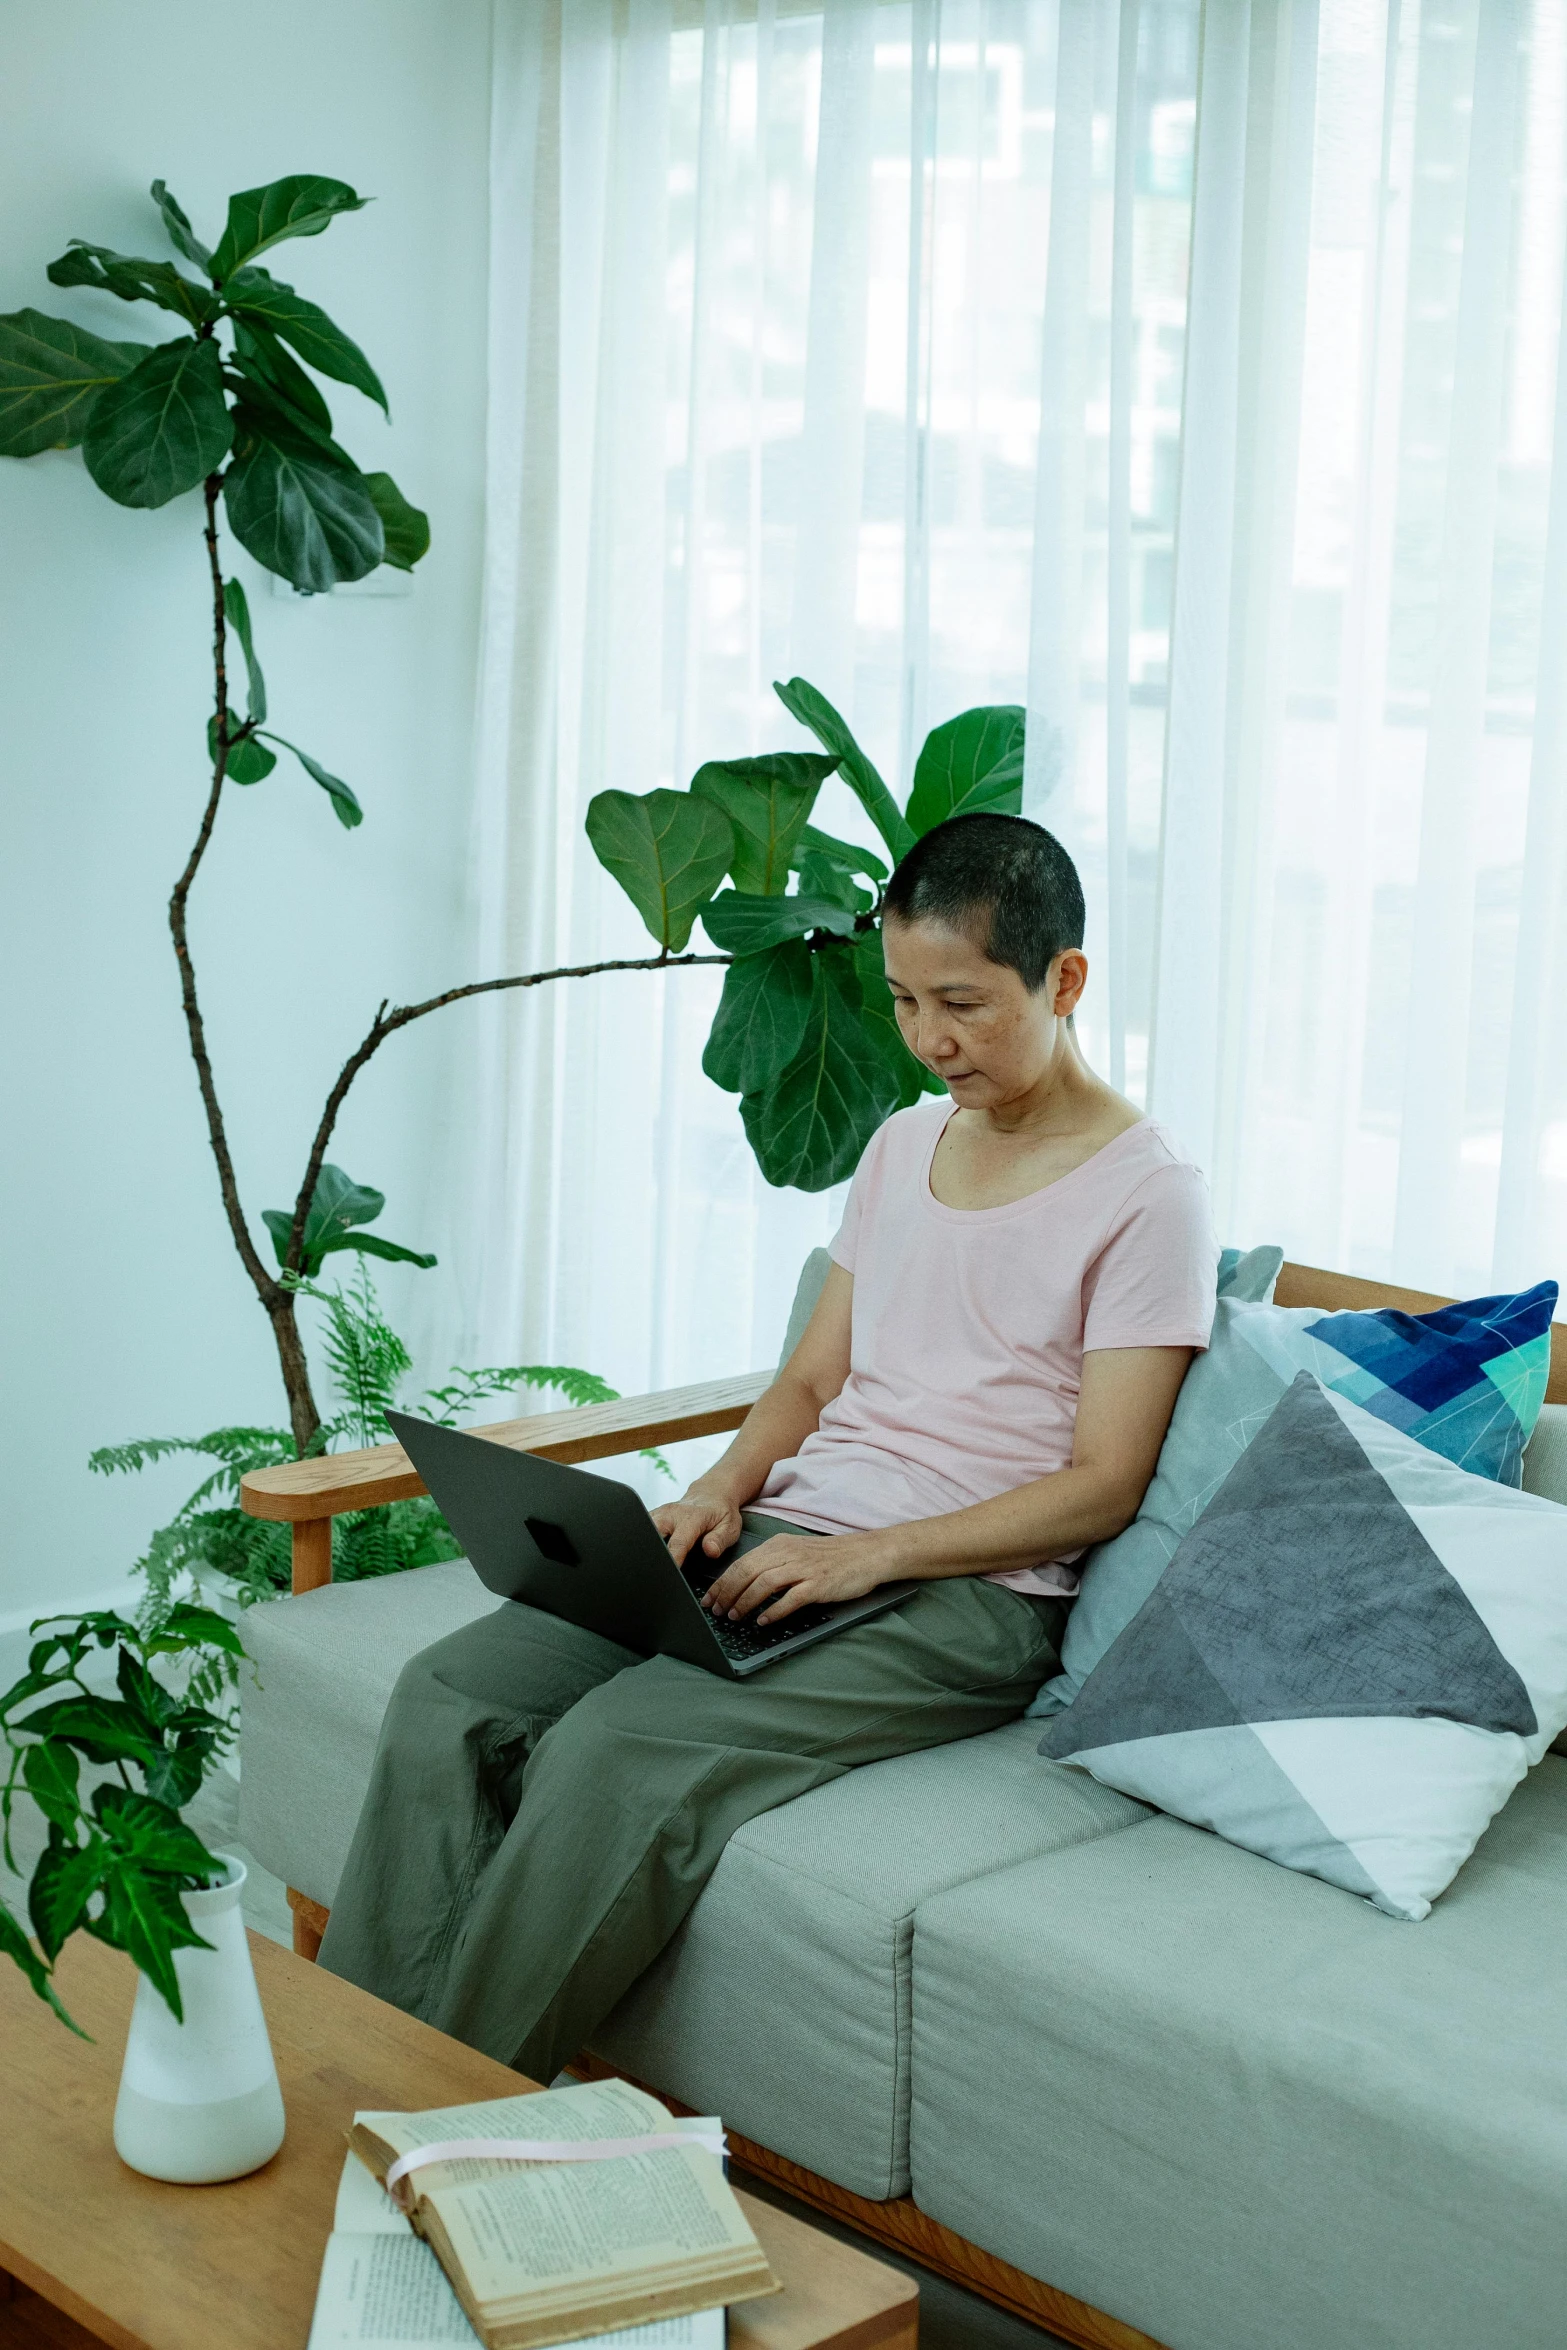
(554, 1541)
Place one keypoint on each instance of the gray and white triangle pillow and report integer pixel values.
(1350, 1662)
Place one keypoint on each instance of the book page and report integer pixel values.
(385, 2289)
(590, 2109)
(388, 2291)
(565, 2224)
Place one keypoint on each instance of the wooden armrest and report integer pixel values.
(339, 1481)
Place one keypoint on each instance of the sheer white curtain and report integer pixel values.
(1186, 370)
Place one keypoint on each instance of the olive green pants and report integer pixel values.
(546, 1806)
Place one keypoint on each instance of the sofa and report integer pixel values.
(1125, 2079)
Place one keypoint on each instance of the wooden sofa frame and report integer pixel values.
(308, 1495)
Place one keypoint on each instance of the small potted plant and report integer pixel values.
(199, 2097)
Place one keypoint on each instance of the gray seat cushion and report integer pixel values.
(310, 1714)
(1240, 2109)
(783, 2001)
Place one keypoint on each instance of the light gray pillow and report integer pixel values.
(1350, 1662)
(1224, 1399)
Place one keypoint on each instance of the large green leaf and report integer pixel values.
(809, 1127)
(832, 869)
(64, 1881)
(190, 1625)
(406, 528)
(161, 429)
(134, 279)
(767, 800)
(299, 510)
(802, 701)
(255, 295)
(761, 1018)
(370, 1244)
(910, 1076)
(153, 1835)
(15, 1945)
(51, 372)
(847, 855)
(180, 233)
(272, 380)
(248, 761)
(52, 1776)
(345, 803)
(970, 766)
(745, 925)
(144, 1916)
(668, 851)
(299, 206)
(178, 1772)
(103, 1731)
(142, 1693)
(337, 1205)
(236, 610)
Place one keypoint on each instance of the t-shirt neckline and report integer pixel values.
(1030, 1199)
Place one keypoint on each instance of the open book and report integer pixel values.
(556, 2250)
(382, 2289)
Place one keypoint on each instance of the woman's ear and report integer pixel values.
(1071, 977)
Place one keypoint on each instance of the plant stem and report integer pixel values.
(387, 1024)
(276, 1301)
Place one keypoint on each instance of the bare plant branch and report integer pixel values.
(387, 1024)
(217, 1135)
(277, 1301)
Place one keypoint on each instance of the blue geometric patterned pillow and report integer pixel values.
(1466, 1381)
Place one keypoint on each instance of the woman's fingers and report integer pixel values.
(753, 1580)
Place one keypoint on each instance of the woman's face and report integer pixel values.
(973, 1022)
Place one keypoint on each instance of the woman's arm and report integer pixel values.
(773, 1430)
(1124, 1407)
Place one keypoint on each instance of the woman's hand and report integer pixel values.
(801, 1570)
(709, 1518)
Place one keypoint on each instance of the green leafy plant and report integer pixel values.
(118, 1855)
(368, 1364)
(229, 407)
(805, 1033)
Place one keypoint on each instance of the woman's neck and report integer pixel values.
(1065, 1098)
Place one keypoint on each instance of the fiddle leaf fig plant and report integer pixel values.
(118, 1854)
(221, 398)
(805, 1032)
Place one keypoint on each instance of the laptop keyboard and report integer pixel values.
(748, 1638)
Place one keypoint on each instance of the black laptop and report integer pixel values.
(584, 1548)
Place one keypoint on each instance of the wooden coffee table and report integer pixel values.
(92, 2253)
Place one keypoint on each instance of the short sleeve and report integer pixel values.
(1154, 1280)
(844, 1246)
(841, 1248)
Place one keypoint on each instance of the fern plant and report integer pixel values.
(368, 1364)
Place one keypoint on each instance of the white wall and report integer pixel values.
(125, 1311)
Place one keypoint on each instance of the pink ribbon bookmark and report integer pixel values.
(543, 2150)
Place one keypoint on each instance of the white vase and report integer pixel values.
(199, 2100)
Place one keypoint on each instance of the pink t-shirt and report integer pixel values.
(970, 1326)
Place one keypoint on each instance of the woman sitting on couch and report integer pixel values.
(1022, 1274)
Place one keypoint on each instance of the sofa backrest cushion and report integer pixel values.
(1545, 1455)
(813, 1274)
